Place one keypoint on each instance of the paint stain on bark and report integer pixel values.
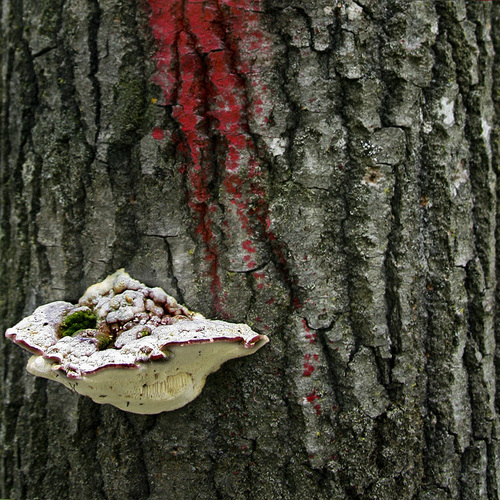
(207, 66)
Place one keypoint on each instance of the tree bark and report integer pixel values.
(323, 171)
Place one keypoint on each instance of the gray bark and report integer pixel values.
(379, 164)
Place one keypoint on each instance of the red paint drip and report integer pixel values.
(158, 133)
(248, 246)
(312, 396)
(312, 337)
(205, 61)
(308, 369)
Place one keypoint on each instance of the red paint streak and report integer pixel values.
(207, 57)
(158, 133)
(308, 366)
(312, 396)
(312, 337)
(308, 369)
(260, 277)
(247, 245)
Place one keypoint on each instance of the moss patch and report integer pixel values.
(79, 320)
(103, 341)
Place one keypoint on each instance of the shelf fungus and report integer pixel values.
(130, 346)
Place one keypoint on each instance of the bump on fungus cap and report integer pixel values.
(130, 345)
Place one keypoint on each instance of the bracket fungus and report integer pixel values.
(130, 346)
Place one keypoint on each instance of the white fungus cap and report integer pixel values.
(159, 352)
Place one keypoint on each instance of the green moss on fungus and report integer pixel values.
(79, 320)
(103, 341)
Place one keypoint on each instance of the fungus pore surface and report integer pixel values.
(130, 345)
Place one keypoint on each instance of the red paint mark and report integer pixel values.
(312, 396)
(312, 337)
(308, 369)
(158, 133)
(206, 59)
(260, 276)
(209, 61)
(308, 366)
(248, 246)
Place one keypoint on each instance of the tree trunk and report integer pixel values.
(322, 171)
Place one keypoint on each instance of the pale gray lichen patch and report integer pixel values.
(170, 349)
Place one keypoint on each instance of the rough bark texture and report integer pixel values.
(323, 171)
